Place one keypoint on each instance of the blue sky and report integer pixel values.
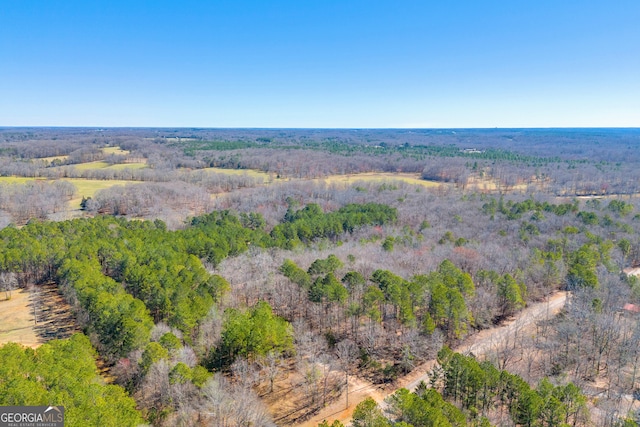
(325, 63)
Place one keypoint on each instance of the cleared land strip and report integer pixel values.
(33, 317)
(479, 344)
(16, 319)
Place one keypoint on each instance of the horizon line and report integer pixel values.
(319, 128)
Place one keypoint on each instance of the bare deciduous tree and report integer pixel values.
(347, 353)
(270, 364)
(8, 283)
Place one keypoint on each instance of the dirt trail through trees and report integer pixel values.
(479, 344)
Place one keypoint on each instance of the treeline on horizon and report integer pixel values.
(552, 151)
(174, 179)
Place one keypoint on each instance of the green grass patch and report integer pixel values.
(84, 187)
(15, 180)
(91, 165)
(121, 166)
(52, 158)
(241, 172)
(104, 165)
(115, 150)
(379, 177)
(89, 187)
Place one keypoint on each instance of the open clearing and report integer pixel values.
(409, 178)
(15, 180)
(115, 150)
(288, 401)
(132, 165)
(52, 158)
(350, 179)
(88, 165)
(18, 317)
(89, 187)
(102, 165)
(240, 172)
(16, 320)
(84, 187)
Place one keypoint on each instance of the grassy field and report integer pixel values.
(409, 178)
(98, 164)
(89, 187)
(241, 172)
(115, 150)
(16, 320)
(120, 166)
(90, 165)
(52, 158)
(84, 187)
(104, 165)
(15, 180)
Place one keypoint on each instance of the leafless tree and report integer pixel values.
(226, 406)
(245, 374)
(154, 391)
(8, 283)
(271, 366)
(209, 331)
(346, 353)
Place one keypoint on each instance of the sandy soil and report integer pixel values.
(18, 317)
(16, 320)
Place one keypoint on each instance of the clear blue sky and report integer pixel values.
(324, 63)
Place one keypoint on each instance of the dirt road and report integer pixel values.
(481, 343)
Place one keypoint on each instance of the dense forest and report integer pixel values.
(211, 297)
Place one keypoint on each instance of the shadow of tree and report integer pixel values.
(55, 319)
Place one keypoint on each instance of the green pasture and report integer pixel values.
(89, 187)
(121, 166)
(241, 172)
(378, 177)
(15, 180)
(115, 150)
